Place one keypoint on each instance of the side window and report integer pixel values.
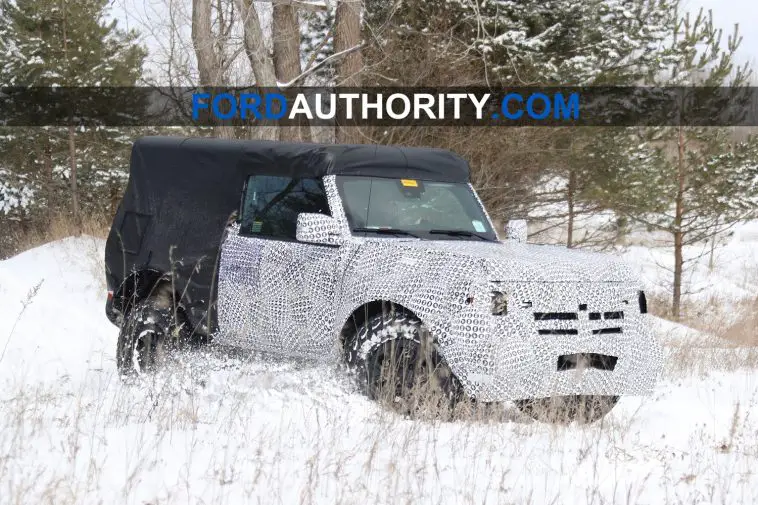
(272, 203)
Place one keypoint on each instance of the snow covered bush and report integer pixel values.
(16, 194)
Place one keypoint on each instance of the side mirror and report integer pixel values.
(516, 229)
(317, 229)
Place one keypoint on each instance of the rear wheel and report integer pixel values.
(149, 332)
(584, 409)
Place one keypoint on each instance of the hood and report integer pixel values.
(518, 262)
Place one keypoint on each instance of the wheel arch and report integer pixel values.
(363, 313)
(142, 284)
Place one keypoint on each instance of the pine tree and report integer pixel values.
(66, 43)
(573, 42)
(697, 182)
(529, 42)
(317, 43)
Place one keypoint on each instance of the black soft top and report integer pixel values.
(182, 191)
(303, 160)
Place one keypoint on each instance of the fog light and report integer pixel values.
(499, 303)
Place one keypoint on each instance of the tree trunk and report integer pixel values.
(209, 66)
(711, 258)
(71, 139)
(259, 58)
(286, 42)
(208, 61)
(347, 34)
(676, 301)
(74, 188)
(255, 46)
(571, 191)
(678, 268)
(47, 164)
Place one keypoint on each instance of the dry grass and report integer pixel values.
(59, 227)
(736, 321)
(723, 336)
(745, 329)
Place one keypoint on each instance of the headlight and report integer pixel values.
(499, 303)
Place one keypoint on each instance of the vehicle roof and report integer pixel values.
(305, 159)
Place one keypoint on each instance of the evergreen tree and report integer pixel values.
(698, 182)
(573, 42)
(66, 43)
(529, 42)
(317, 43)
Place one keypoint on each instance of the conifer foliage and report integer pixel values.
(66, 43)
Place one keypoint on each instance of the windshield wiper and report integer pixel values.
(385, 231)
(459, 233)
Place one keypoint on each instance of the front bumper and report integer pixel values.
(517, 355)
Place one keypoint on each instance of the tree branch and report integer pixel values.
(306, 73)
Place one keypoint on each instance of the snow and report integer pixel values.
(733, 278)
(16, 196)
(219, 428)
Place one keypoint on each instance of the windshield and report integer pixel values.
(425, 209)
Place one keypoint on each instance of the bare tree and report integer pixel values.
(286, 44)
(258, 53)
(347, 35)
(208, 60)
(209, 55)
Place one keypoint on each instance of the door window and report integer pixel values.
(272, 204)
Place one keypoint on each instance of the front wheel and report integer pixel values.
(403, 367)
(584, 409)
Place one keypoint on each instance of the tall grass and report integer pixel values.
(58, 227)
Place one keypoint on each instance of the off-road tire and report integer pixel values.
(400, 366)
(149, 333)
(583, 409)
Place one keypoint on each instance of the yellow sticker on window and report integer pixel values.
(409, 183)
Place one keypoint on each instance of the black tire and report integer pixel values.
(149, 333)
(584, 409)
(401, 367)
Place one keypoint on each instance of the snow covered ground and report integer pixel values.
(220, 429)
(735, 267)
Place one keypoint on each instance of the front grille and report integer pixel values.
(555, 316)
(597, 316)
(559, 323)
(606, 331)
(570, 331)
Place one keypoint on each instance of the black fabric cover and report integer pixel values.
(182, 191)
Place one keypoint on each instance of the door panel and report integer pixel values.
(297, 283)
(238, 288)
(275, 293)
